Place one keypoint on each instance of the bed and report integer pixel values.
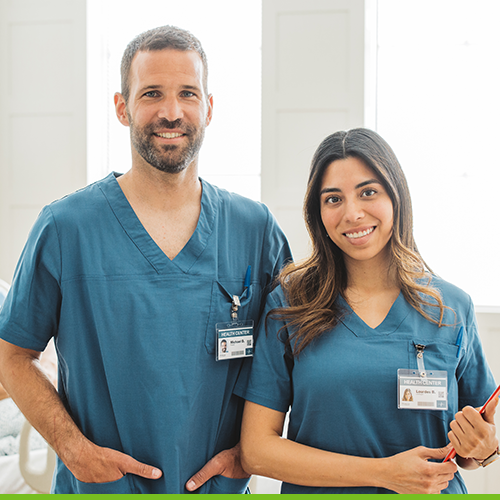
(29, 470)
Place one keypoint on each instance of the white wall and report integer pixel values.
(318, 59)
(313, 67)
(315, 55)
(42, 113)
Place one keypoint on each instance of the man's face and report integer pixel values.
(168, 109)
(224, 346)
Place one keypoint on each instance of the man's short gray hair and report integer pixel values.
(163, 37)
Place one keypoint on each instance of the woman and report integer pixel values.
(349, 330)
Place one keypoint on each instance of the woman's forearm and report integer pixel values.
(295, 463)
(266, 453)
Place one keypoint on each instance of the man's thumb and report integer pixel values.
(209, 470)
(143, 470)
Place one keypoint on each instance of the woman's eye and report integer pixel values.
(332, 199)
(368, 192)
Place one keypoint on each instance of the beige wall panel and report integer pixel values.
(300, 70)
(43, 94)
(45, 144)
(313, 75)
(44, 10)
(299, 133)
(22, 219)
(296, 232)
(41, 76)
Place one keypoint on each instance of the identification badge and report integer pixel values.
(234, 340)
(422, 390)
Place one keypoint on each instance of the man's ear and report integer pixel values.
(121, 109)
(210, 109)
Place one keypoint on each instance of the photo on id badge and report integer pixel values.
(234, 340)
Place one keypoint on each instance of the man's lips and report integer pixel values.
(169, 135)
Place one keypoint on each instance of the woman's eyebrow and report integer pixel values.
(360, 185)
(330, 190)
(365, 183)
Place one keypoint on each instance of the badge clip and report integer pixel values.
(234, 308)
(420, 359)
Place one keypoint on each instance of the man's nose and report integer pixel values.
(170, 109)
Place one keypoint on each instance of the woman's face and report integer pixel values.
(356, 210)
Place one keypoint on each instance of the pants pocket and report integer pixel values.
(120, 486)
(222, 484)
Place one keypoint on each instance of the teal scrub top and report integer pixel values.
(343, 390)
(135, 331)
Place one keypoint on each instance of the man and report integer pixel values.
(131, 275)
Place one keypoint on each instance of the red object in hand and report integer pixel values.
(452, 452)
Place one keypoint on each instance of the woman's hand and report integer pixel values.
(411, 472)
(473, 435)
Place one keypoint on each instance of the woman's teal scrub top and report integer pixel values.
(135, 331)
(343, 388)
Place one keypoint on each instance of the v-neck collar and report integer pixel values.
(396, 315)
(128, 219)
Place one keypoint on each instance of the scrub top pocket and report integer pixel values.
(438, 356)
(220, 308)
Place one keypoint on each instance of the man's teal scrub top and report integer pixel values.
(135, 331)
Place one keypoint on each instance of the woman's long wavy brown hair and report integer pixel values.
(312, 287)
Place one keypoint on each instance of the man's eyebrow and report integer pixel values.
(149, 87)
(156, 87)
(191, 87)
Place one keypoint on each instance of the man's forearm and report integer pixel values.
(32, 391)
(34, 394)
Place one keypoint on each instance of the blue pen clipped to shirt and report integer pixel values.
(248, 276)
(458, 342)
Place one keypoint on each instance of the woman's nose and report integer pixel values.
(353, 211)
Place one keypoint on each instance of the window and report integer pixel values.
(230, 33)
(438, 106)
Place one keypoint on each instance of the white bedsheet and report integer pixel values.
(11, 480)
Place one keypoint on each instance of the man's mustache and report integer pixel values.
(164, 123)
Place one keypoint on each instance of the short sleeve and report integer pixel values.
(475, 380)
(29, 316)
(277, 250)
(266, 380)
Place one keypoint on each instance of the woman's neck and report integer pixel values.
(371, 277)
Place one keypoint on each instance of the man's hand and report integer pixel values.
(473, 435)
(227, 463)
(103, 465)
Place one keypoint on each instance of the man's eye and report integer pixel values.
(187, 93)
(151, 93)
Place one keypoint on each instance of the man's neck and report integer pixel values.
(168, 205)
(161, 191)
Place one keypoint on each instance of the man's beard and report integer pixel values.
(171, 159)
